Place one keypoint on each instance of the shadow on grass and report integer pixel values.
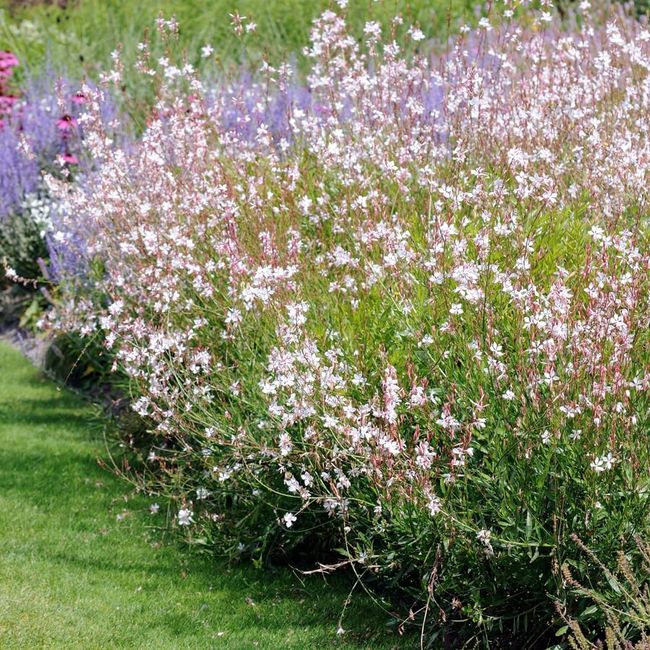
(47, 412)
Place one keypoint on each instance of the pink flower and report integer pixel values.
(7, 102)
(69, 159)
(66, 123)
(8, 60)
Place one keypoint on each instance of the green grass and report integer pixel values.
(75, 575)
(81, 37)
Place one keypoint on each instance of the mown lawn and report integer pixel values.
(82, 564)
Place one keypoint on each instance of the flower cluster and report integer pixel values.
(40, 136)
(405, 306)
(8, 62)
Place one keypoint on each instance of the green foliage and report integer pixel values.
(78, 362)
(21, 246)
(621, 603)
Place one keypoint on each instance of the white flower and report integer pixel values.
(484, 538)
(289, 519)
(141, 406)
(330, 422)
(202, 493)
(603, 463)
(285, 444)
(496, 349)
(575, 435)
(154, 508)
(185, 517)
(206, 51)
(434, 505)
(456, 309)
(372, 29)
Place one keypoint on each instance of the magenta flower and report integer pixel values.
(69, 159)
(7, 102)
(8, 60)
(66, 123)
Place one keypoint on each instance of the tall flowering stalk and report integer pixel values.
(408, 316)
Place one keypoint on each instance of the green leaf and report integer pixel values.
(590, 610)
(613, 583)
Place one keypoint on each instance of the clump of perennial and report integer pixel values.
(406, 310)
